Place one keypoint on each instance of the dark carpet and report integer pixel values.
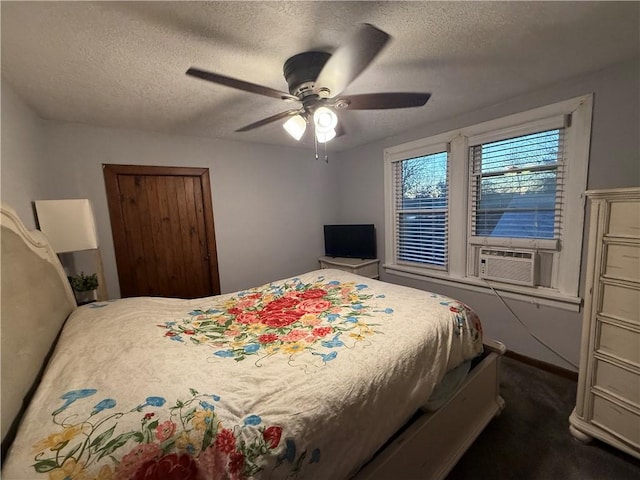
(530, 440)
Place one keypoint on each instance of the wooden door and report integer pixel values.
(163, 230)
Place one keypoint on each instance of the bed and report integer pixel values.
(325, 375)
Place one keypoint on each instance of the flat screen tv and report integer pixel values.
(351, 241)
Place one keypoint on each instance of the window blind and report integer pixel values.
(421, 209)
(517, 186)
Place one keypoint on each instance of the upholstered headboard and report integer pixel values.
(35, 300)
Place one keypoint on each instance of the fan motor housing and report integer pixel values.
(302, 70)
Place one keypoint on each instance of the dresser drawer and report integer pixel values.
(623, 262)
(624, 219)
(619, 342)
(617, 381)
(621, 302)
(616, 419)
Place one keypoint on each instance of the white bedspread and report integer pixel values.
(301, 378)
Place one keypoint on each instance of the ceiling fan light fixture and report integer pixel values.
(324, 137)
(325, 120)
(316, 80)
(295, 126)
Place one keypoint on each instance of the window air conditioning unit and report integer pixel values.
(509, 266)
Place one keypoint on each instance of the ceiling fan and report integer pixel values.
(316, 80)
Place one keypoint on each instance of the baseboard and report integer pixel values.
(548, 367)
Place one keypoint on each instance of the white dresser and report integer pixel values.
(359, 266)
(608, 397)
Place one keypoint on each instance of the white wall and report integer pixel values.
(269, 203)
(21, 172)
(614, 162)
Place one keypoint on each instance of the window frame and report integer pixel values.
(407, 152)
(567, 252)
(476, 178)
(433, 149)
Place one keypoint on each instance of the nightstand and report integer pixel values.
(359, 266)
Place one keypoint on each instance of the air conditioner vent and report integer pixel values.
(509, 266)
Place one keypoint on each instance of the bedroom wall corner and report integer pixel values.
(22, 155)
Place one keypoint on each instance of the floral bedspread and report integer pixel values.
(301, 378)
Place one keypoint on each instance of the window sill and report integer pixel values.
(534, 295)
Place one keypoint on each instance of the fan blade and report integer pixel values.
(273, 118)
(239, 84)
(350, 59)
(381, 101)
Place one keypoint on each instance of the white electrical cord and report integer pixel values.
(528, 330)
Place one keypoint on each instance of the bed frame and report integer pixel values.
(430, 446)
(36, 299)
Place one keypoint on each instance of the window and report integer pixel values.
(511, 191)
(421, 191)
(517, 186)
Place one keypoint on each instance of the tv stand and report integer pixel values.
(360, 266)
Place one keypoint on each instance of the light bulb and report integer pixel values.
(325, 119)
(295, 126)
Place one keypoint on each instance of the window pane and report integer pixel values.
(527, 151)
(423, 238)
(516, 194)
(421, 210)
(424, 181)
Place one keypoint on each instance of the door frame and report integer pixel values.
(111, 172)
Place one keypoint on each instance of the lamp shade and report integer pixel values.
(325, 119)
(324, 137)
(69, 225)
(295, 126)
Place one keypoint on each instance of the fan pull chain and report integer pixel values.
(315, 143)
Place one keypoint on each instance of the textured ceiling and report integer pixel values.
(122, 64)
